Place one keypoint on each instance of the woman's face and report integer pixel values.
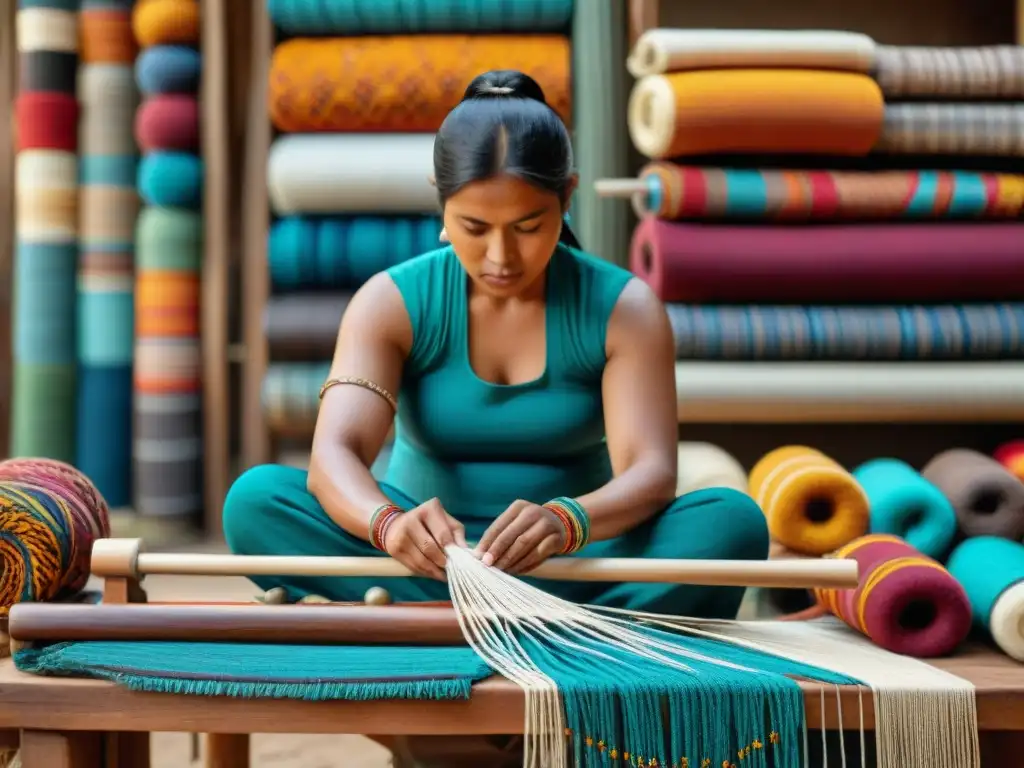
(504, 232)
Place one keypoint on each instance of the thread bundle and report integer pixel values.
(169, 251)
(46, 224)
(109, 205)
(50, 515)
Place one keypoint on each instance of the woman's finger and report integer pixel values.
(493, 531)
(516, 528)
(548, 547)
(419, 563)
(523, 546)
(422, 540)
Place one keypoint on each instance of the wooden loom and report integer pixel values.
(75, 722)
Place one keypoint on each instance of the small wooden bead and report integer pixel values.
(377, 596)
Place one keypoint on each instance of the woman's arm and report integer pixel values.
(640, 413)
(353, 422)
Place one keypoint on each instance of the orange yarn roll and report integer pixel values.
(166, 22)
(812, 504)
(167, 304)
(756, 111)
(106, 37)
(402, 84)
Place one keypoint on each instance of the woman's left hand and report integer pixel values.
(523, 537)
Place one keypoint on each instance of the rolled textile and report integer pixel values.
(289, 395)
(52, 515)
(47, 29)
(304, 326)
(987, 498)
(46, 120)
(953, 129)
(905, 504)
(758, 332)
(690, 192)
(307, 253)
(402, 84)
(341, 17)
(352, 173)
(991, 571)
(172, 179)
(703, 465)
(662, 50)
(812, 504)
(757, 111)
(994, 71)
(47, 71)
(1011, 456)
(949, 262)
(106, 36)
(906, 602)
(166, 22)
(168, 122)
(168, 69)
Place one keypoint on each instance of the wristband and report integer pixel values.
(381, 519)
(576, 521)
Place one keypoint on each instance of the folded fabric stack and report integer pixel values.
(108, 208)
(773, 187)
(357, 95)
(168, 426)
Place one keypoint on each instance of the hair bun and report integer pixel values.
(504, 84)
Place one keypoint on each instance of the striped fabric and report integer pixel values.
(953, 129)
(980, 332)
(995, 72)
(109, 205)
(46, 232)
(688, 192)
(168, 265)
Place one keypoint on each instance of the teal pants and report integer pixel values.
(268, 511)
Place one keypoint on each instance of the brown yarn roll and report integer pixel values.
(987, 498)
(107, 214)
(304, 326)
(106, 37)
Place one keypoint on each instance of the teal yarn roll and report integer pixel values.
(905, 504)
(396, 17)
(991, 571)
(309, 252)
(172, 179)
(169, 239)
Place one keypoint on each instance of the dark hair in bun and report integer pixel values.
(504, 125)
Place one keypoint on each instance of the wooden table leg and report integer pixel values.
(127, 749)
(227, 750)
(61, 749)
(1001, 748)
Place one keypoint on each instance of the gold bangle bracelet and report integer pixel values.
(377, 389)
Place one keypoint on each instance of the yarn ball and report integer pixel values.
(50, 515)
(168, 121)
(169, 69)
(46, 121)
(991, 570)
(166, 22)
(172, 179)
(1011, 456)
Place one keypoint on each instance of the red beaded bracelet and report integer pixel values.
(381, 519)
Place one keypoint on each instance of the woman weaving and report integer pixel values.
(534, 389)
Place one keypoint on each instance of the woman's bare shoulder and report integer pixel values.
(377, 313)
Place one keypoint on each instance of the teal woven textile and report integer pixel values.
(309, 672)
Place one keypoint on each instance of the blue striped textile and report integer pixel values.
(960, 332)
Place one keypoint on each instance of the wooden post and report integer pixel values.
(227, 750)
(61, 749)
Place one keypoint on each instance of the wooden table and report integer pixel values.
(71, 723)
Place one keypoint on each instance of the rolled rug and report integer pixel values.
(304, 326)
(1011, 456)
(703, 465)
(906, 602)
(812, 504)
(987, 498)
(991, 571)
(905, 504)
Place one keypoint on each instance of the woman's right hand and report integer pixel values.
(417, 539)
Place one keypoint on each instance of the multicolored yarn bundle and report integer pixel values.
(108, 206)
(1011, 456)
(46, 231)
(50, 515)
(906, 602)
(168, 261)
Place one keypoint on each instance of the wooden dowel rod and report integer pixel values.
(742, 573)
(619, 187)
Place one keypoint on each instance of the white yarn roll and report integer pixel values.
(1006, 622)
(352, 172)
(703, 465)
(47, 29)
(46, 204)
(108, 85)
(670, 50)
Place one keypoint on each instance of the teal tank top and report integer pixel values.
(479, 446)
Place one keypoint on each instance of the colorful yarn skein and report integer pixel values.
(906, 602)
(991, 571)
(812, 504)
(987, 498)
(50, 515)
(904, 504)
(1011, 456)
